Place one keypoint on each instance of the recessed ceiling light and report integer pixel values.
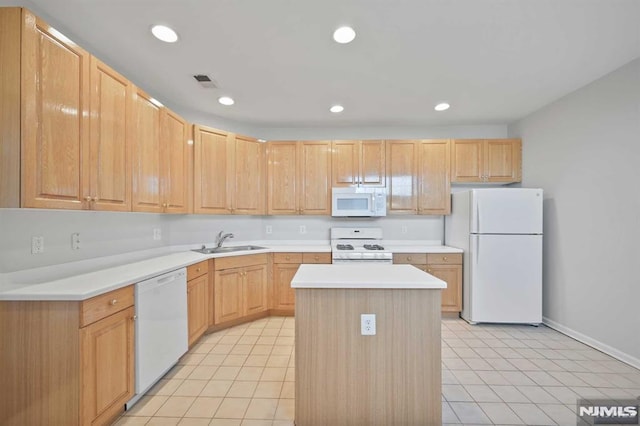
(336, 108)
(344, 35)
(225, 100)
(156, 102)
(442, 107)
(164, 33)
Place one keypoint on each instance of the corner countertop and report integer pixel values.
(84, 279)
(374, 276)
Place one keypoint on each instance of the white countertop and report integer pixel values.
(88, 278)
(365, 277)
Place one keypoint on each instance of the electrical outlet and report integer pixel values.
(157, 234)
(268, 229)
(37, 244)
(404, 229)
(303, 229)
(75, 241)
(368, 324)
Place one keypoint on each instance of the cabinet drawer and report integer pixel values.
(240, 261)
(410, 258)
(197, 269)
(287, 258)
(316, 257)
(444, 258)
(102, 306)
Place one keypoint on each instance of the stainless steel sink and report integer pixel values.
(212, 250)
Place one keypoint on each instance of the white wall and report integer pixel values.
(584, 151)
(111, 233)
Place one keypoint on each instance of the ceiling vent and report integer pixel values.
(205, 81)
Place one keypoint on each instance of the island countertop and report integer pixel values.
(378, 275)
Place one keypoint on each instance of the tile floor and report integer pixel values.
(491, 374)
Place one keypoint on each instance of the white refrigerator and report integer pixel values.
(500, 231)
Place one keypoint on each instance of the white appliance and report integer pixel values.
(360, 201)
(358, 245)
(500, 231)
(161, 327)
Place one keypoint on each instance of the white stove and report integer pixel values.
(363, 245)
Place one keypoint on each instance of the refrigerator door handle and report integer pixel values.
(477, 249)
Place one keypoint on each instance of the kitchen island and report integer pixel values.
(346, 378)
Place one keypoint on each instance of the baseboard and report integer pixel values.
(596, 344)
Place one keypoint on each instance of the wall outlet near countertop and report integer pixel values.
(37, 244)
(268, 229)
(404, 229)
(303, 229)
(368, 324)
(75, 241)
(157, 234)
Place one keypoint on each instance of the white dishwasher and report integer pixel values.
(161, 327)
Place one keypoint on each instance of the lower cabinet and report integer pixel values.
(198, 300)
(71, 363)
(240, 287)
(285, 266)
(446, 266)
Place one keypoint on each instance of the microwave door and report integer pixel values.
(353, 205)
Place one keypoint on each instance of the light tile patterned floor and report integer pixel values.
(491, 374)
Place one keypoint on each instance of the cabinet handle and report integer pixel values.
(95, 199)
(444, 258)
(429, 270)
(88, 199)
(287, 258)
(409, 258)
(197, 269)
(113, 302)
(316, 257)
(133, 318)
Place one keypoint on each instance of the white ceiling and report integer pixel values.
(495, 61)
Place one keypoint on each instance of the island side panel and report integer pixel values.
(344, 378)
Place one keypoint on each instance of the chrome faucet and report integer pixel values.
(220, 238)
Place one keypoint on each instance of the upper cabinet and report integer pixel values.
(229, 173)
(54, 116)
(110, 139)
(161, 158)
(358, 163)
(486, 160)
(418, 177)
(299, 177)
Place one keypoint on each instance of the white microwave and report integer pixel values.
(359, 201)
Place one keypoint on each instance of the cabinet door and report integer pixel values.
(282, 180)
(107, 374)
(248, 174)
(176, 170)
(197, 307)
(434, 187)
(55, 119)
(467, 160)
(256, 296)
(211, 173)
(372, 164)
(147, 155)
(314, 191)
(452, 295)
(111, 126)
(345, 163)
(228, 295)
(401, 177)
(503, 160)
(284, 295)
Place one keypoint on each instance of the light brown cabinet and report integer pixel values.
(285, 266)
(110, 138)
(71, 363)
(358, 163)
(418, 176)
(229, 173)
(198, 300)
(299, 177)
(161, 158)
(240, 286)
(44, 119)
(447, 267)
(486, 160)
